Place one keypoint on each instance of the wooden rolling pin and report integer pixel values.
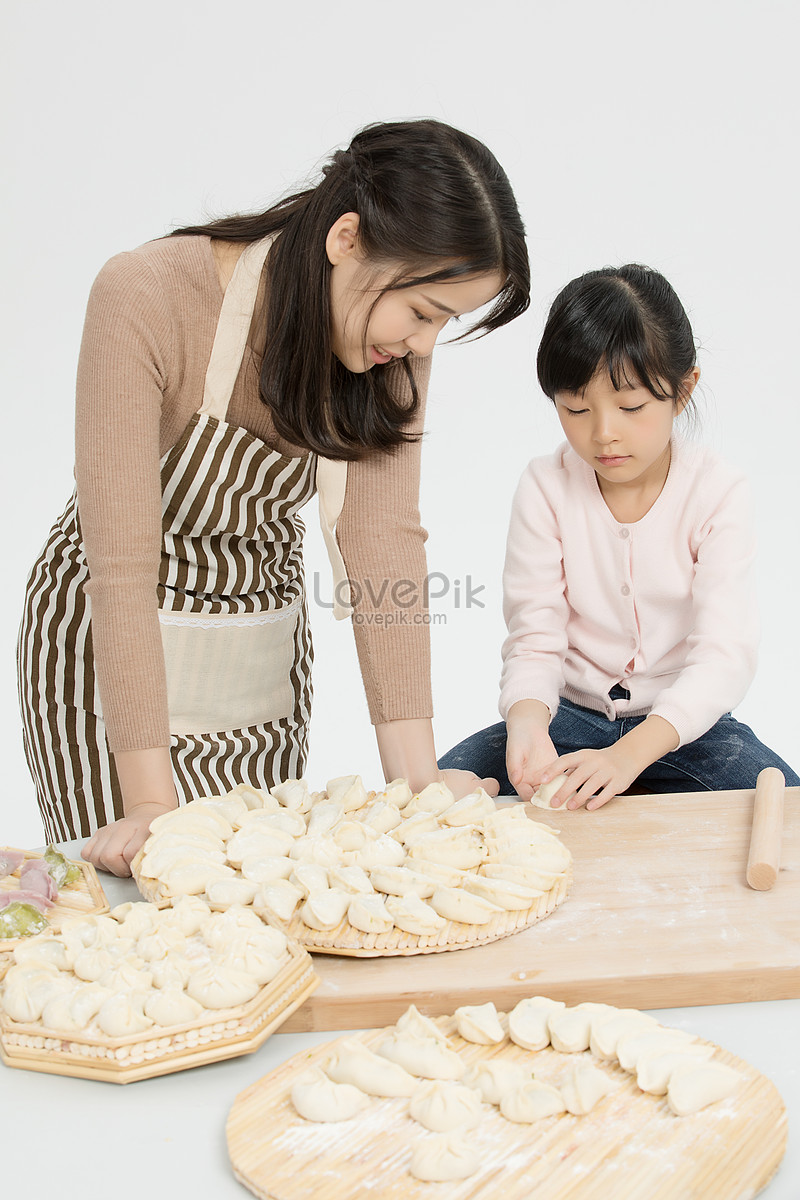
(764, 859)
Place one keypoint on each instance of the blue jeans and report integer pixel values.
(728, 756)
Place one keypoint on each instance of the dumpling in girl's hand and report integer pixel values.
(318, 1098)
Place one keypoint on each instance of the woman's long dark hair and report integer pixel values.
(627, 320)
(434, 203)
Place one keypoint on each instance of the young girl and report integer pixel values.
(628, 593)
(226, 373)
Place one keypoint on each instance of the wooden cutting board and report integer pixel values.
(659, 916)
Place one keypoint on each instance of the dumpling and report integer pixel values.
(609, 1027)
(446, 846)
(383, 851)
(269, 869)
(309, 877)
(521, 872)
(544, 793)
(350, 879)
(285, 820)
(232, 807)
(426, 1057)
(278, 899)
(352, 835)
(441, 875)
(57, 1013)
(255, 961)
(654, 1071)
(435, 798)
(254, 798)
(355, 1063)
(172, 971)
(258, 842)
(532, 1102)
(382, 816)
(348, 790)
(159, 942)
(694, 1088)
(192, 877)
(442, 1105)
(92, 963)
(121, 1015)
(495, 1078)
(326, 909)
(443, 1158)
(413, 1023)
(456, 905)
(85, 1002)
(136, 918)
(584, 1087)
(414, 826)
(369, 914)
(220, 927)
(320, 850)
(571, 1028)
(193, 817)
(469, 809)
(220, 987)
(634, 1046)
(171, 1006)
(324, 816)
(317, 1098)
(397, 792)
(480, 1023)
(188, 914)
(401, 881)
(45, 950)
(528, 1021)
(231, 891)
(411, 914)
(503, 892)
(126, 976)
(293, 794)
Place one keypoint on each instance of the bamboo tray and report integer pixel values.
(216, 1034)
(83, 898)
(630, 1147)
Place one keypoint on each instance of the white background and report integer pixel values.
(663, 133)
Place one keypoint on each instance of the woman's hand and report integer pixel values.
(461, 783)
(113, 847)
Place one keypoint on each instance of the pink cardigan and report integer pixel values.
(664, 605)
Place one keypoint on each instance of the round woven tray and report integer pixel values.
(630, 1147)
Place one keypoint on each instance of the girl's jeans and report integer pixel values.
(727, 757)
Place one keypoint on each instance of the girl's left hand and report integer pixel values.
(593, 777)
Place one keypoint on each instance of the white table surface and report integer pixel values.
(163, 1138)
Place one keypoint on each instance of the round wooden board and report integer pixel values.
(630, 1147)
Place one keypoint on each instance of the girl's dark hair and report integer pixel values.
(626, 320)
(433, 202)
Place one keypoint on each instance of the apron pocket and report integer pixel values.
(228, 671)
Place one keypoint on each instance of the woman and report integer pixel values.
(225, 373)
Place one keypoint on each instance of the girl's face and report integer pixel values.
(405, 321)
(623, 435)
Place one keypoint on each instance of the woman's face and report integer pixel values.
(404, 321)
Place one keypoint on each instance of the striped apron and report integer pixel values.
(232, 611)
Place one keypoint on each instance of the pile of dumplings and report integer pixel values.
(141, 970)
(417, 1063)
(343, 856)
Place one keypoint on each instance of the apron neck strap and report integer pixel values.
(233, 327)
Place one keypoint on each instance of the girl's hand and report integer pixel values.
(461, 783)
(593, 777)
(113, 847)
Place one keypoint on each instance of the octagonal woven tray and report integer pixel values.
(630, 1147)
(83, 898)
(215, 1034)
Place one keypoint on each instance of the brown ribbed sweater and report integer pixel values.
(150, 325)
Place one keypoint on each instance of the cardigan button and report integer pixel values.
(624, 533)
(626, 591)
